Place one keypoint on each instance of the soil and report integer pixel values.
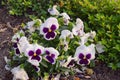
(101, 72)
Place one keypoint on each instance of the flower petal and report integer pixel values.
(45, 30)
(88, 56)
(53, 55)
(81, 56)
(47, 52)
(38, 51)
(30, 53)
(48, 35)
(52, 34)
(83, 61)
(53, 27)
(50, 59)
(36, 58)
(17, 51)
(15, 45)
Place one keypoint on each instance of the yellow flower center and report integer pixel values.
(50, 30)
(34, 54)
(84, 57)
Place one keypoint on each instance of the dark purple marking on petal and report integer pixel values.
(36, 58)
(83, 61)
(38, 51)
(53, 55)
(53, 27)
(17, 51)
(31, 53)
(47, 52)
(88, 56)
(71, 63)
(50, 59)
(47, 35)
(81, 56)
(45, 30)
(52, 34)
(36, 68)
(15, 45)
(17, 39)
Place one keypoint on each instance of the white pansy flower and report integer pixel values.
(23, 44)
(65, 34)
(31, 25)
(84, 54)
(51, 55)
(49, 27)
(92, 34)
(19, 73)
(84, 38)
(66, 18)
(100, 48)
(78, 29)
(53, 10)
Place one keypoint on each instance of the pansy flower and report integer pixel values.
(70, 62)
(51, 55)
(78, 29)
(66, 18)
(21, 45)
(33, 25)
(19, 74)
(64, 35)
(84, 54)
(49, 27)
(33, 53)
(53, 10)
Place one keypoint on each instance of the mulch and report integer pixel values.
(101, 72)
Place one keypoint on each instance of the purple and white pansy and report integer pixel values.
(70, 62)
(33, 53)
(84, 54)
(78, 29)
(51, 55)
(49, 27)
(66, 18)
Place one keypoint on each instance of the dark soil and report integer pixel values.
(101, 72)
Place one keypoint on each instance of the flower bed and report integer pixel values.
(52, 48)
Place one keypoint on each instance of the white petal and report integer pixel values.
(19, 73)
(65, 16)
(34, 62)
(66, 33)
(100, 48)
(53, 10)
(23, 44)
